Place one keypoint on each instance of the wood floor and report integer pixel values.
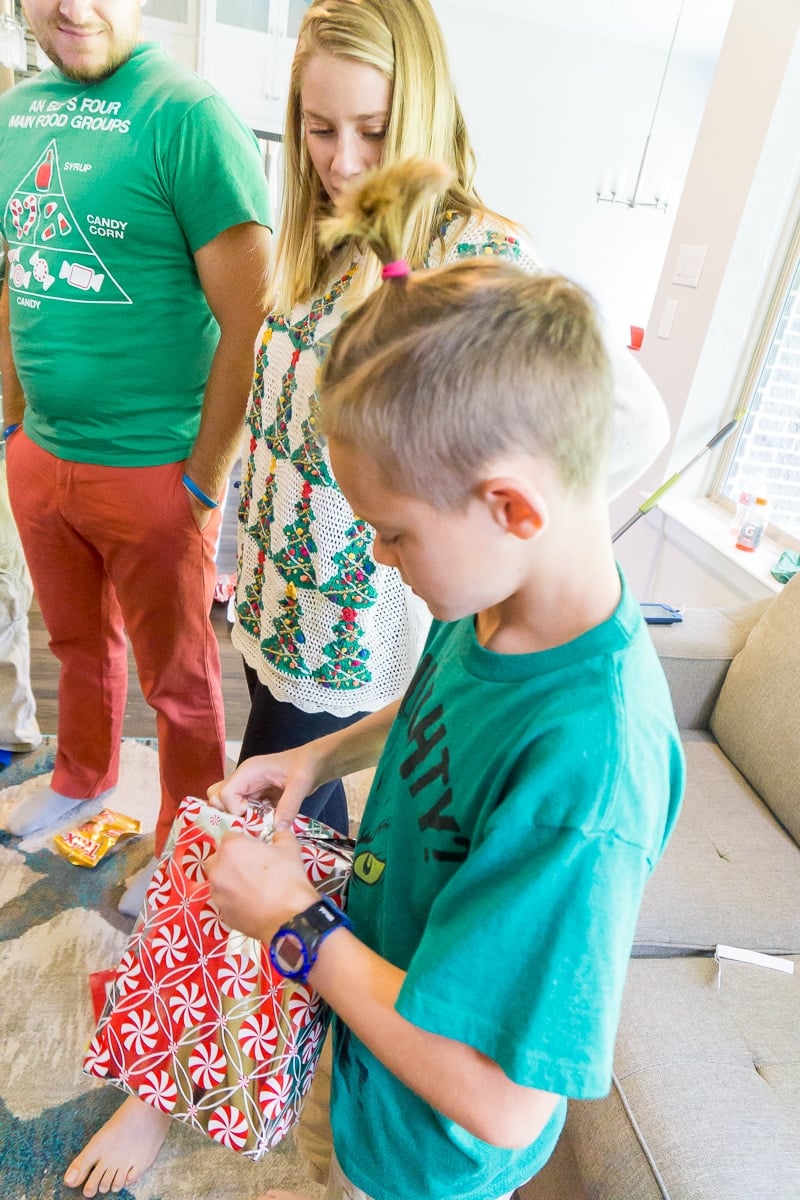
(139, 717)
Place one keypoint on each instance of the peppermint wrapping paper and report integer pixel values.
(198, 1023)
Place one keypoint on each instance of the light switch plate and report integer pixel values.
(689, 267)
(667, 317)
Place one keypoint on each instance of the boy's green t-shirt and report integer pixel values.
(518, 808)
(106, 192)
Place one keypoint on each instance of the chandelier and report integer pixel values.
(614, 188)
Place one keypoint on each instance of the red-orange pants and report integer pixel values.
(115, 549)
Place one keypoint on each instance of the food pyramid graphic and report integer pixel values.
(49, 256)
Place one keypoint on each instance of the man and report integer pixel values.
(135, 213)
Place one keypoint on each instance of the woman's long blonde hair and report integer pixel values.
(401, 39)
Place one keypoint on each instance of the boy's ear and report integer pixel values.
(515, 505)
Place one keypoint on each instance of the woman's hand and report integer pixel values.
(257, 886)
(283, 780)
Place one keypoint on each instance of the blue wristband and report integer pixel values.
(9, 429)
(198, 493)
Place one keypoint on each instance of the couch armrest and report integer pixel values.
(696, 653)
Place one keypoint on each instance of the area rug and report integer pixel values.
(59, 923)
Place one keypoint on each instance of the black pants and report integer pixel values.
(274, 725)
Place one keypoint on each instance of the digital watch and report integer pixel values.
(293, 949)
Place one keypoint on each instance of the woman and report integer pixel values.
(326, 633)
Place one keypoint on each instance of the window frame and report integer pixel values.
(764, 323)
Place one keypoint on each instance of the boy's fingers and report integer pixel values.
(220, 797)
(229, 836)
(283, 831)
(288, 806)
(212, 795)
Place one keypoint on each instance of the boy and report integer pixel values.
(532, 773)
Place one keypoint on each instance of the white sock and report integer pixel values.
(43, 808)
(133, 897)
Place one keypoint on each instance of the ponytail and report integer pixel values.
(380, 212)
(440, 371)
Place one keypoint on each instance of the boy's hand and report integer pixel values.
(283, 780)
(257, 886)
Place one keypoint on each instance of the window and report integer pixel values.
(766, 454)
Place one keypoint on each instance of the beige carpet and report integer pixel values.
(58, 923)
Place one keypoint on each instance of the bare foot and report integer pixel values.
(121, 1150)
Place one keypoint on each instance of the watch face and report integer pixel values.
(289, 954)
(293, 949)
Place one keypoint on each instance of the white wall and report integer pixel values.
(546, 108)
(549, 111)
(181, 45)
(738, 191)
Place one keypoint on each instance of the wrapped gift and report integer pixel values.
(100, 989)
(198, 1023)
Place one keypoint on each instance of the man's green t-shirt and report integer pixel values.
(518, 809)
(106, 192)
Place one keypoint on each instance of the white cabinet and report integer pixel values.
(243, 47)
(173, 23)
(246, 49)
(179, 12)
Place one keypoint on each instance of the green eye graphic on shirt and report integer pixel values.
(368, 868)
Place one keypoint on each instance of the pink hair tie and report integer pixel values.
(395, 270)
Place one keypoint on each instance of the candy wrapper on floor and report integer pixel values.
(87, 843)
(198, 1024)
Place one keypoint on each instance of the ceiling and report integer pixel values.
(644, 22)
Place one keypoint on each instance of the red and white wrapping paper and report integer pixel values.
(198, 1023)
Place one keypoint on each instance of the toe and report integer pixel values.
(77, 1171)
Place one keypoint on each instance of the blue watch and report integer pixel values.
(293, 949)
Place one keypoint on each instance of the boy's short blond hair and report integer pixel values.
(442, 371)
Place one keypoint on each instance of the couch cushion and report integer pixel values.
(598, 1157)
(756, 719)
(706, 1096)
(696, 652)
(730, 873)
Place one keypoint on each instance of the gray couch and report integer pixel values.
(705, 1102)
